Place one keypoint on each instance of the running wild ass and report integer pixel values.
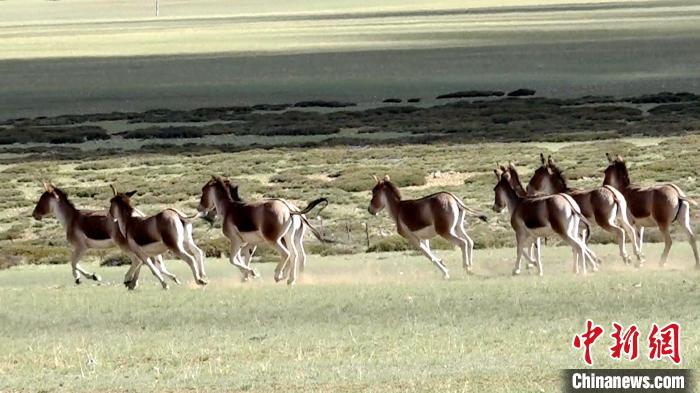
(603, 205)
(533, 217)
(273, 221)
(153, 235)
(654, 206)
(86, 229)
(419, 220)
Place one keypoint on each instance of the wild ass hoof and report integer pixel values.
(78, 281)
(255, 274)
(176, 281)
(165, 286)
(95, 277)
(291, 283)
(202, 282)
(516, 271)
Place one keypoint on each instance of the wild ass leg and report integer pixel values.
(684, 219)
(538, 248)
(247, 253)
(424, 247)
(145, 259)
(523, 243)
(534, 253)
(666, 233)
(158, 262)
(609, 224)
(571, 235)
(292, 262)
(78, 252)
(299, 243)
(236, 245)
(640, 237)
(285, 256)
(629, 229)
(194, 250)
(457, 238)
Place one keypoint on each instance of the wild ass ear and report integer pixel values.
(114, 190)
(609, 157)
(510, 164)
(550, 161)
(542, 159)
(130, 193)
(387, 178)
(498, 176)
(375, 178)
(47, 187)
(618, 158)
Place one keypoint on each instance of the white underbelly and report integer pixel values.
(645, 222)
(105, 243)
(154, 249)
(426, 233)
(255, 237)
(541, 232)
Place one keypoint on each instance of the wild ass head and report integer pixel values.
(120, 208)
(503, 190)
(547, 179)
(216, 189)
(48, 198)
(616, 173)
(382, 191)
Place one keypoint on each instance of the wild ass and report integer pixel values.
(658, 205)
(273, 221)
(419, 220)
(86, 229)
(533, 217)
(603, 205)
(298, 226)
(153, 235)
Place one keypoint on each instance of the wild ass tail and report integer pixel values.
(184, 216)
(469, 210)
(577, 210)
(682, 196)
(311, 205)
(621, 203)
(308, 208)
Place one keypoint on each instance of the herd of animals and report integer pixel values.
(546, 207)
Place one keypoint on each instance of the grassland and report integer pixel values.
(374, 323)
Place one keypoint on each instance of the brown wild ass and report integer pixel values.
(153, 235)
(273, 221)
(248, 251)
(654, 206)
(533, 217)
(298, 226)
(603, 205)
(419, 220)
(86, 229)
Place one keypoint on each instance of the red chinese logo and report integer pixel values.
(625, 344)
(665, 341)
(587, 339)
